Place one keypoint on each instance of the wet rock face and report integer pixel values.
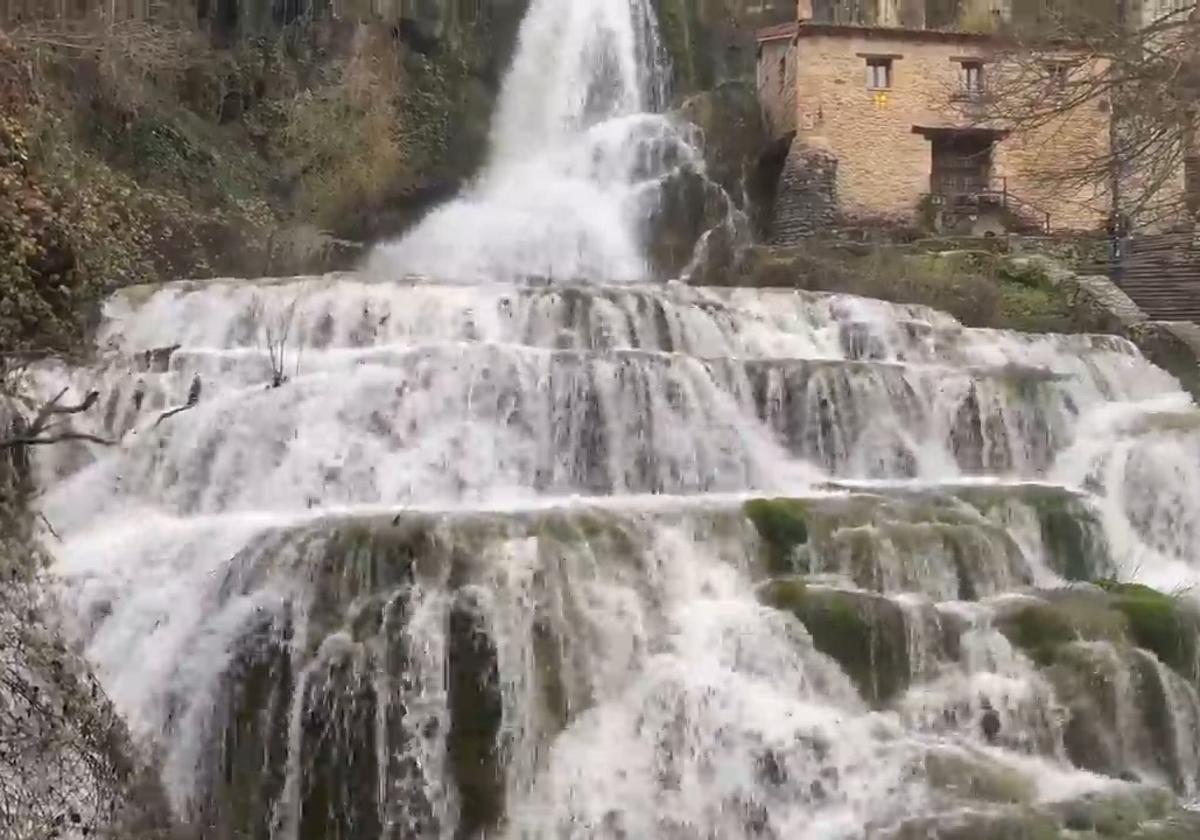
(865, 633)
(1173, 346)
(338, 791)
(476, 711)
(688, 207)
(957, 545)
(712, 41)
(1141, 813)
(251, 728)
(730, 120)
(1121, 658)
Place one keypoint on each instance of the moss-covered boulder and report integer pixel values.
(690, 209)
(953, 544)
(1178, 825)
(1128, 812)
(1166, 625)
(1074, 545)
(983, 824)
(975, 777)
(1030, 301)
(1042, 626)
(1119, 813)
(782, 525)
(916, 541)
(476, 710)
(1120, 613)
(1105, 731)
(867, 634)
(1121, 658)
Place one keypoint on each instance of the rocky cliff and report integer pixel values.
(238, 137)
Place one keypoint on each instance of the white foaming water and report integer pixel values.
(577, 156)
(449, 457)
(455, 559)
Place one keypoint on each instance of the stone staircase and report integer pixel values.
(1161, 273)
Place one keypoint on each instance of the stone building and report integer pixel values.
(887, 123)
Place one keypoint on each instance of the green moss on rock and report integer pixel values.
(1042, 627)
(1072, 536)
(1179, 825)
(1117, 814)
(1039, 630)
(977, 778)
(782, 525)
(863, 632)
(1167, 626)
(1134, 813)
(1017, 823)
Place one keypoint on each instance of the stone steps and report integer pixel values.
(1161, 274)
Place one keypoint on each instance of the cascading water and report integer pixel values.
(452, 559)
(578, 156)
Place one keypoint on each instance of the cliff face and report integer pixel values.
(712, 41)
(244, 136)
(274, 136)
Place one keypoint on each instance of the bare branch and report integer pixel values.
(52, 408)
(13, 443)
(1145, 76)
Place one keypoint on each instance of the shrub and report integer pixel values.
(46, 297)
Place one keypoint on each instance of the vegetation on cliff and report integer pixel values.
(165, 157)
(981, 288)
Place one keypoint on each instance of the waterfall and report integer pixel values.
(578, 154)
(464, 555)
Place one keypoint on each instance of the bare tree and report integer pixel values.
(46, 426)
(1144, 72)
(275, 330)
(27, 421)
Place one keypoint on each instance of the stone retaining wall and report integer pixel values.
(806, 199)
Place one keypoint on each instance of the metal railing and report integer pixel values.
(996, 189)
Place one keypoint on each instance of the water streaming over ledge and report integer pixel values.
(578, 156)
(613, 559)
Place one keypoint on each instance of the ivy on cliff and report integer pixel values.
(45, 296)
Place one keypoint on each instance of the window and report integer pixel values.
(1058, 74)
(879, 73)
(972, 79)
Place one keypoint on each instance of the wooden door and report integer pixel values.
(962, 164)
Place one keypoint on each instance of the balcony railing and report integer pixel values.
(988, 191)
(972, 95)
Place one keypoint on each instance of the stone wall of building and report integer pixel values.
(1043, 167)
(883, 166)
(777, 86)
(806, 199)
